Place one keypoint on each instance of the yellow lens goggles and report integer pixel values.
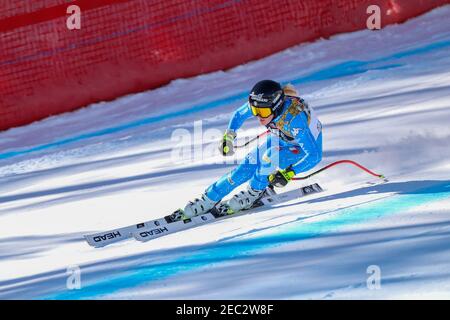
(261, 112)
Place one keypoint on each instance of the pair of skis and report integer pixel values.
(156, 228)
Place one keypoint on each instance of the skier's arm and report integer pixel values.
(303, 136)
(226, 146)
(242, 114)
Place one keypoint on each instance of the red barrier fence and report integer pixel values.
(127, 46)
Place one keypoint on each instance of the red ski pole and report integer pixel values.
(339, 162)
(322, 169)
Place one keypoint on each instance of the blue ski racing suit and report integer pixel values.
(295, 140)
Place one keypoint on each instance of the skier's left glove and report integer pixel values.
(226, 146)
(281, 178)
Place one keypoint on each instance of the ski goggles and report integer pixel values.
(263, 112)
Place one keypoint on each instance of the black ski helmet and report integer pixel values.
(267, 94)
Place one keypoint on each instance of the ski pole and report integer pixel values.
(253, 139)
(339, 162)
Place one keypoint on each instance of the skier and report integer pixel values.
(293, 146)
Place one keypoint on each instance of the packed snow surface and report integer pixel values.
(384, 100)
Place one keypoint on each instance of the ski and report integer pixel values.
(104, 238)
(269, 200)
(156, 228)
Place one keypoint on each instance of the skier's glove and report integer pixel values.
(280, 178)
(226, 145)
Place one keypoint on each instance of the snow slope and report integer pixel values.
(384, 100)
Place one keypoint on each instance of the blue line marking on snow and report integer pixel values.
(336, 71)
(226, 251)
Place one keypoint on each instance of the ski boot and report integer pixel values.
(177, 216)
(244, 200)
(194, 208)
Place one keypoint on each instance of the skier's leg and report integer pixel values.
(241, 174)
(278, 155)
(281, 157)
(227, 183)
(258, 183)
(275, 158)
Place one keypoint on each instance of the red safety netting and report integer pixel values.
(127, 46)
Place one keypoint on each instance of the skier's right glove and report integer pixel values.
(226, 145)
(280, 178)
